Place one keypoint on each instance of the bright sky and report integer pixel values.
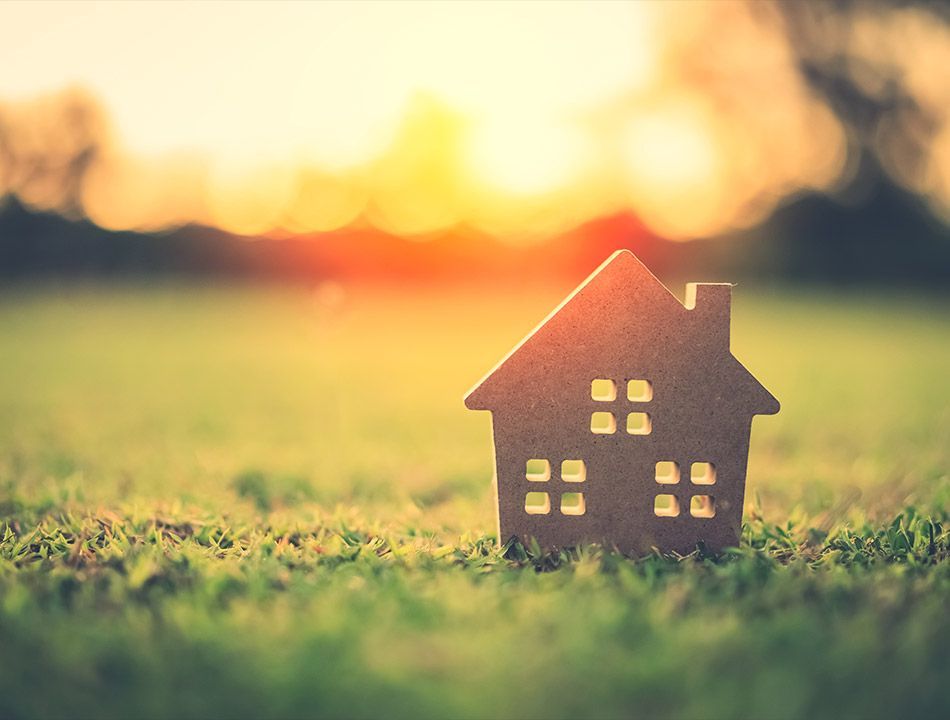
(325, 80)
(417, 116)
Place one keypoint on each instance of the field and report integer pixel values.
(249, 501)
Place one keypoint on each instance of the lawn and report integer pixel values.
(246, 501)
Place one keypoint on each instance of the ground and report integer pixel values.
(253, 501)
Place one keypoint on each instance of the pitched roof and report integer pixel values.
(629, 283)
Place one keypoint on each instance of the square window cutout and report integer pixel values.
(702, 506)
(573, 471)
(573, 504)
(603, 390)
(538, 470)
(638, 423)
(702, 473)
(537, 503)
(639, 390)
(667, 472)
(603, 423)
(666, 506)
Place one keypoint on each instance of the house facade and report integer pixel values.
(624, 418)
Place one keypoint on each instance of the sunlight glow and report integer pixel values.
(249, 199)
(526, 156)
(672, 164)
(669, 150)
(520, 120)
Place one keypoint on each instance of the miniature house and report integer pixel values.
(624, 418)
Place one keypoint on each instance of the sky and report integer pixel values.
(517, 119)
(323, 81)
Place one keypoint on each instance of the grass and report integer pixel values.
(249, 501)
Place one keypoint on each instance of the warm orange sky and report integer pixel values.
(322, 81)
(518, 119)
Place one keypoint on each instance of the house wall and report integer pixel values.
(690, 423)
(620, 325)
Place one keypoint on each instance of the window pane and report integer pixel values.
(573, 504)
(538, 470)
(702, 506)
(603, 390)
(603, 423)
(639, 390)
(667, 472)
(702, 473)
(638, 423)
(573, 471)
(537, 503)
(666, 506)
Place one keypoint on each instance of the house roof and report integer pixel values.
(620, 284)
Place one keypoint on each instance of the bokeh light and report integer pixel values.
(415, 118)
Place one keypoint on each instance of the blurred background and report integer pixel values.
(427, 141)
(252, 255)
(281, 240)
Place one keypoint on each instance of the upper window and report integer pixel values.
(639, 423)
(639, 390)
(603, 390)
(603, 423)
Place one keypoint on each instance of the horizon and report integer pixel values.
(425, 132)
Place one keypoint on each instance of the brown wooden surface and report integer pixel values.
(622, 324)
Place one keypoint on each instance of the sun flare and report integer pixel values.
(517, 119)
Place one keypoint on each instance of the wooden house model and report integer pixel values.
(624, 418)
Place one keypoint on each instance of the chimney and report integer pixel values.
(710, 304)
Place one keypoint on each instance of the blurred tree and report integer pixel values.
(47, 147)
(884, 68)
